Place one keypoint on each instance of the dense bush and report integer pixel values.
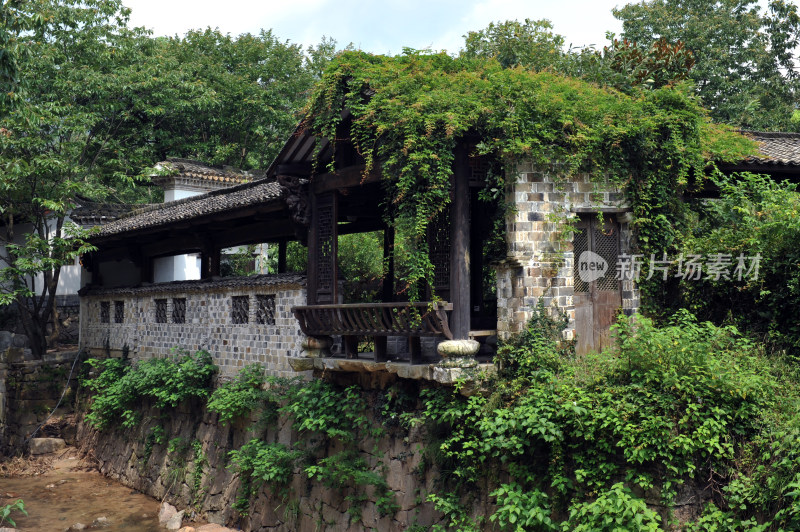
(753, 216)
(586, 438)
(119, 388)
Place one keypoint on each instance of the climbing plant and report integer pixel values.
(410, 111)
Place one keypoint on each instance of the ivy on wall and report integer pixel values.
(410, 111)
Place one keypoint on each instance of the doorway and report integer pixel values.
(598, 292)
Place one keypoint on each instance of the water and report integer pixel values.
(69, 494)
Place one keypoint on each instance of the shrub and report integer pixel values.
(119, 389)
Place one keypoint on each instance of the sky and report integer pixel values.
(381, 27)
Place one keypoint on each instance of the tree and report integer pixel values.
(745, 70)
(79, 130)
(622, 65)
(252, 87)
(531, 44)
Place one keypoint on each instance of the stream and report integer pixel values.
(70, 493)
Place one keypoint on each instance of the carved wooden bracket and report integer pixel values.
(296, 198)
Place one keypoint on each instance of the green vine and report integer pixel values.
(410, 111)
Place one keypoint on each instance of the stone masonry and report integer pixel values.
(539, 264)
(240, 320)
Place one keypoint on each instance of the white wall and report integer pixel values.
(176, 268)
(72, 277)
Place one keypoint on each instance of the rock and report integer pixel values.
(188, 529)
(5, 529)
(77, 526)
(166, 512)
(458, 348)
(46, 445)
(301, 363)
(20, 340)
(101, 522)
(5, 340)
(174, 522)
(214, 528)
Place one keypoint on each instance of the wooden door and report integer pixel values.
(598, 294)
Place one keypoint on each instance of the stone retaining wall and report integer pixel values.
(239, 320)
(29, 390)
(309, 506)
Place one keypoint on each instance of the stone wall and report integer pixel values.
(239, 320)
(151, 468)
(29, 390)
(540, 261)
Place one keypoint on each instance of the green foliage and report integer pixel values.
(581, 437)
(745, 69)
(5, 511)
(261, 463)
(531, 44)
(754, 216)
(539, 347)
(249, 88)
(614, 509)
(200, 462)
(119, 389)
(320, 407)
(239, 397)
(419, 106)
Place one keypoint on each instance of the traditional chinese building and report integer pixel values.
(282, 318)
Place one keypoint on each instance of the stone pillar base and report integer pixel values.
(317, 346)
(458, 353)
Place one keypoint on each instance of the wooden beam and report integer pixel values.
(459, 247)
(352, 176)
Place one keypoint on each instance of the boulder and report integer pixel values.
(166, 512)
(46, 445)
(175, 522)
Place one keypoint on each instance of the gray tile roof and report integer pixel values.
(776, 148)
(152, 216)
(94, 213)
(206, 172)
(200, 285)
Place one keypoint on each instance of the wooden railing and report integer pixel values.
(378, 320)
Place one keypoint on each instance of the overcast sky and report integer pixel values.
(382, 27)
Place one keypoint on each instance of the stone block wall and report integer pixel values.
(540, 260)
(150, 324)
(30, 390)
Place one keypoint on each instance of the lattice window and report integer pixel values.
(119, 311)
(606, 244)
(240, 309)
(105, 311)
(580, 244)
(161, 311)
(326, 248)
(178, 310)
(479, 170)
(265, 309)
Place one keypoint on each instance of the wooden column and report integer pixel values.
(388, 259)
(282, 256)
(323, 273)
(459, 247)
(209, 261)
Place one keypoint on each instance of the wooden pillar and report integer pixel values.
(209, 261)
(323, 237)
(388, 259)
(282, 256)
(459, 247)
